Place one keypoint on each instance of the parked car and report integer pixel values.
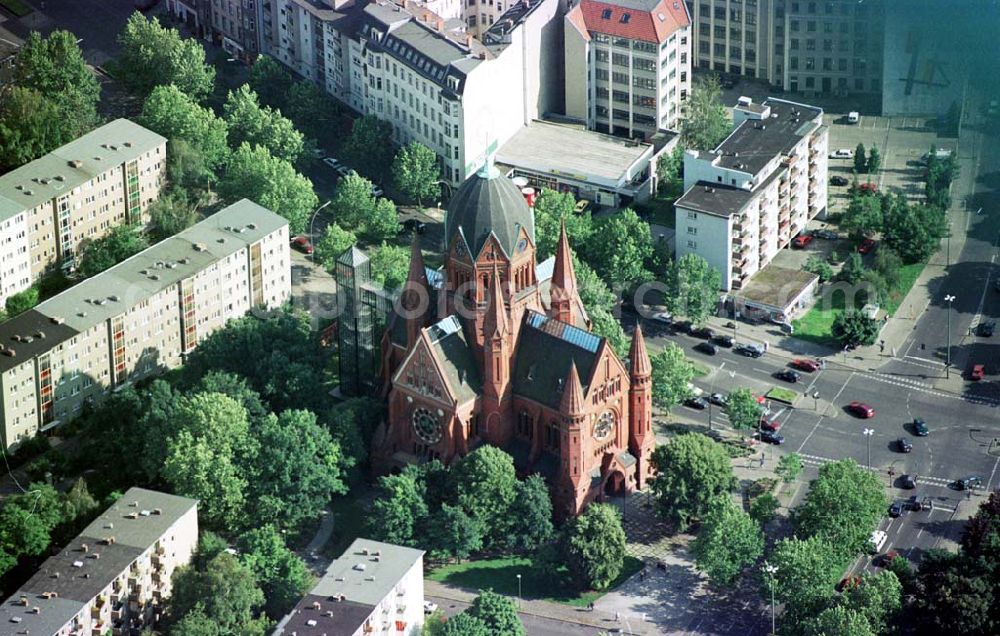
(707, 348)
(877, 541)
(414, 225)
(904, 445)
(940, 154)
(683, 326)
(377, 192)
(908, 482)
(867, 188)
(717, 399)
(843, 153)
(343, 170)
(429, 607)
(703, 332)
(143, 5)
(581, 206)
(749, 350)
(697, 403)
(883, 560)
(853, 117)
(788, 375)
(866, 246)
(837, 180)
(920, 427)
(986, 329)
(862, 410)
(769, 437)
(828, 235)
(970, 482)
(977, 373)
(333, 163)
(769, 425)
(896, 509)
(916, 503)
(806, 364)
(662, 317)
(724, 341)
(802, 240)
(302, 244)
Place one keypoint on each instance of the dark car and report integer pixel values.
(788, 375)
(143, 5)
(920, 428)
(724, 341)
(829, 235)
(904, 445)
(717, 399)
(866, 246)
(683, 326)
(883, 560)
(915, 503)
(703, 332)
(697, 403)
(986, 329)
(970, 482)
(414, 225)
(750, 351)
(839, 181)
(727, 83)
(769, 437)
(896, 509)
(707, 348)
(908, 482)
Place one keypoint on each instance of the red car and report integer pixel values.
(805, 364)
(866, 246)
(302, 244)
(867, 188)
(861, 409)
(802, 240)
(848, 582)
(977, 373)
(770, 425)
(883, 560)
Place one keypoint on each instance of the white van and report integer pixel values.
(877, 541)
(853, 117)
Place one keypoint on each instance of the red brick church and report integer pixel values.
(495, 348)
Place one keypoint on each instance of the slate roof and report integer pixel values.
(333, 618)
(541, 342)
(647, 20)
(36, 327)
(488, 203)
(754, 143)
(456, 359)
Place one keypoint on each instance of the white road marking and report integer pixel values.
(820, 420)
(992, 473)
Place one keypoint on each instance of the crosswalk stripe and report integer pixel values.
(816, 460)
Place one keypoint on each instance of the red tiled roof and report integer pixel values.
(650, 26)
(575, 17)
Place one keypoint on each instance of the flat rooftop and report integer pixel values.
(775, 286)
(544, 146)
(722, 200)
(755, 142)
(317, 615)
(154, 513)
(29, 334)
(367, 578)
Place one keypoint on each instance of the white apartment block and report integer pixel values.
(434, 82)
(115, 577)
(748, 198)
(373, 589)
(78, 192)
(628, 65)
(825, 47)
(140, 317)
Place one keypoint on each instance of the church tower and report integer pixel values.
(573, 411)
(565, 301)
(641, 440)
(497, 347)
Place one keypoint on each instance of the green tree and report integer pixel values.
(836, 620)
(257, 125)
(314, 112)
(914, 231)
(335, 241)
(604, 324)
(530, 515)
(819, 266)
(188, 170)
(175, 115)
(255, 174)
(485, 484)
(497, 613)
(860, 162)
(707, 123)
(670, 173)
(743, 409)
(225, 593)
(400, 511)
(121, 242)
(843, 506)
(369, 146)
(21, 302)
(852, 328)
(952, 597)
(280, 573)
(853, 270)
(727, 542)
(54, 66)
(619, 248)
(807, 571)
(762, 508)
(863, 216)
(79, 504)
(454, 532)
(879, 598)
(390, 265)
(672, 373)
(27, 521)
(874, 161)
(415, 172)
(789, 467)
(150, 56)
(353, 202)
(888, 264)
(170, 214)
(691, 471)
(552, 209)
(465, 624)
(271, 81)
(30, 126)
(692, 288)
(383, 224)
(195, 623)
(594, 546)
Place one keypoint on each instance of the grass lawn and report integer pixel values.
(500, 574)
(778, 394)
(660, 210)
(18, 7)
(700, 370)
(908, 275)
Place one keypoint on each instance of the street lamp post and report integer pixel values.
(771, 569)
(312, 221)
(868, 432)
(518, 591)
(815, 397)
(947, 365)
(711, 390)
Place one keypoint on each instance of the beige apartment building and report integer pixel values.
(139, 318)
(115, 577)
(78, 192)
(628, 65)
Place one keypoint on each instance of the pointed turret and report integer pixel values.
(573, 402)
(641, 367)
(495, 320)
(415, 299)
(565, 302)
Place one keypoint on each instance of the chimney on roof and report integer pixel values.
(439, 25)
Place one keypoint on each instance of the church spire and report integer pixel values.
(416, 292)
(495, 320)
(641, 367)
(564, 295)
(572, 402)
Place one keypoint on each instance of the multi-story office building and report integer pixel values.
(747, 198)
(434, 82)
(373, 589)
(628, 64)
(829, 47)
(115, 577)
(75, 193)
(140, 317)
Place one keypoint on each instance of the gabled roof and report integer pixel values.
(647, 20)
(455, 358)
(543, 340)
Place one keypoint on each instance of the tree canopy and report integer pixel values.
(692, 288)
(852, 327)
(843, 506)
(151, 55)
(334, 242)
(369, 146)
(390, 264)
(223, 593)
(691, 471)
(170, 112)
(497, 613)
(913, 231)
(552, 209)
(707, 123)
(257, 125)
(281, 574)
(672, 373)
(415, 172)
(743, 409)
(727, 542)
(121, 242)
(624, 246)
(594, 546)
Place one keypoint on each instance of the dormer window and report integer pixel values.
(606, 14)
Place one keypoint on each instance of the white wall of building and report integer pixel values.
(708, 236)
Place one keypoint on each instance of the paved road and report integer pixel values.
(534, 625)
